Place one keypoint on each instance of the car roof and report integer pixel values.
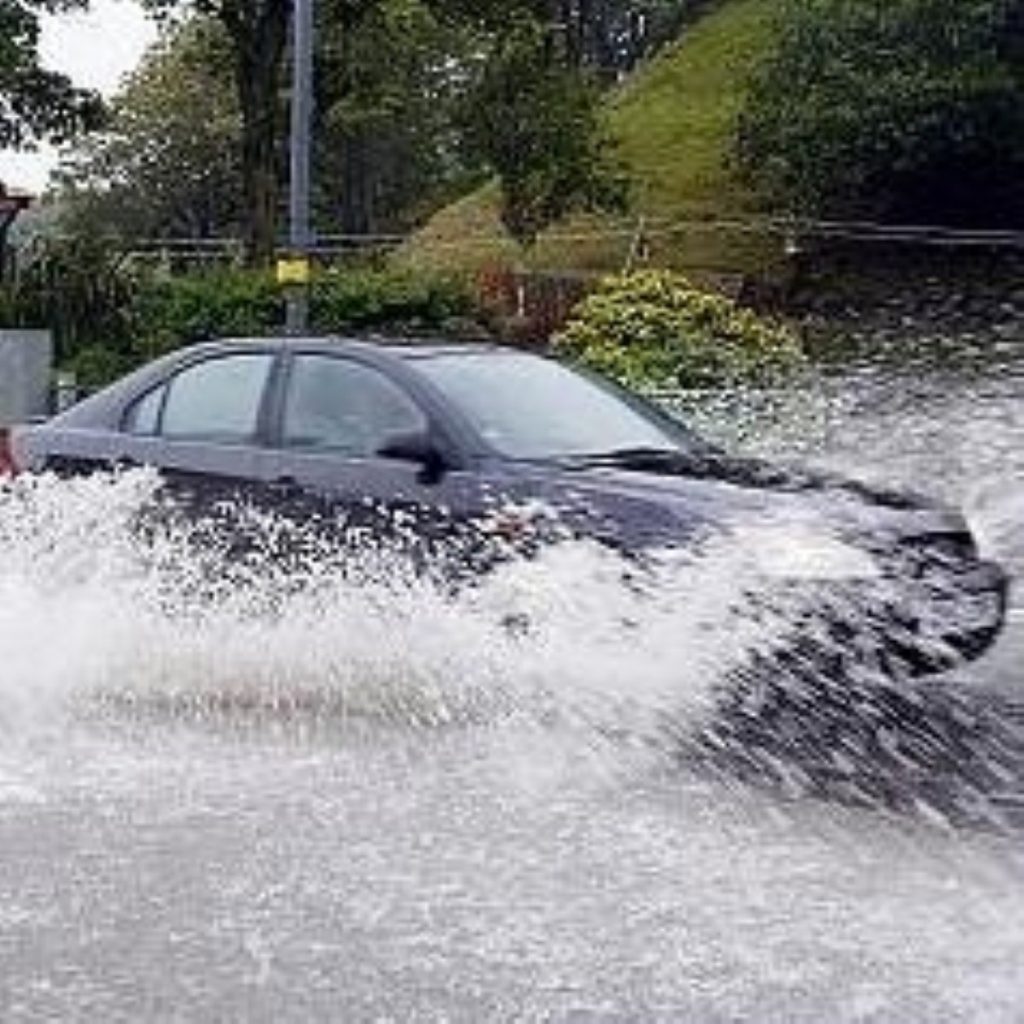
(101, 409)
(402, 348)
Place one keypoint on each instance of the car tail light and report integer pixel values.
(8, 463)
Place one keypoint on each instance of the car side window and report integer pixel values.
(143, 415)
(340, 405)
(217, 400)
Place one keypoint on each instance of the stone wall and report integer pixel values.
(26, 367)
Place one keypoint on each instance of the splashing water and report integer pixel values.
(111, 604)
(93, 604)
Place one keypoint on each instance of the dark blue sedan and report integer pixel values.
(482, 441)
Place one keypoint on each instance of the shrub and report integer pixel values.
(182, 310)
(654, 329)
(175, 311)
(96, 365)
(400, 302)
(82, 290)
(130, 318)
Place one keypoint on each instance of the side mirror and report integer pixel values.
(416, 447)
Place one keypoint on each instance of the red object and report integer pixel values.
(8, 465)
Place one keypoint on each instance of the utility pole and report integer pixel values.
(295, 271)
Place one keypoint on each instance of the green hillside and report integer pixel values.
(673, 122)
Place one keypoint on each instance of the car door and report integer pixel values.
(203, 428)
(335, 414)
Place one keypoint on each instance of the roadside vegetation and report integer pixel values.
(110, 318)
(905, 111)
(653, 330)
(418, 102)
(458, 141)
(672, 124)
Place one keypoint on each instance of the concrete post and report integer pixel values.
(26, 369)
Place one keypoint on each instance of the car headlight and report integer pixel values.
(798, 553)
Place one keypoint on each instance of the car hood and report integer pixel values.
(718, 491)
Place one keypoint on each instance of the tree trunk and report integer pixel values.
(259, 29)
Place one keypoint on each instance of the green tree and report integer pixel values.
(417, 100)
(258, 30)
(613, 36)
(387, 152)
(36, 104)
(535, 119)
(897, 109)
(388, 148)
(168, 162)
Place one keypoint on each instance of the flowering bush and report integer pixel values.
(654, 329)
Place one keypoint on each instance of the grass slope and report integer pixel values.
(673, 123)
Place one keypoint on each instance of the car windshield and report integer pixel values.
(527, 407)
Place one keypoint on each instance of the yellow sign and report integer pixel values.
(294, 270)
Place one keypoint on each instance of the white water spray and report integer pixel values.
(92, 605)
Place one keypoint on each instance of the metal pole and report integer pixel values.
(302, 115)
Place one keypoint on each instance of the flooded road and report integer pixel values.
(421, 818)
